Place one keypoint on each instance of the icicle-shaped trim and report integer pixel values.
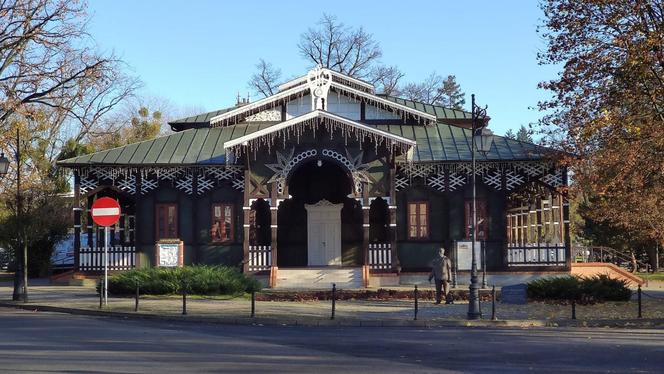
(401, 110)
(238, 114)
(294, 129)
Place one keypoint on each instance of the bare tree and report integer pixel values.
(337, 47)
(386, 79)
(427, 91)
(436, 90)
(266, 79)
(46, 58)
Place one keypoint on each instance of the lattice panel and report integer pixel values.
(105, 173)
(128, 184)
(88, 184)
(401, 182)
(222, 174)
(513, 180)
(436, 181)
(169, 174)
(238, 183)
(204, 185)
(533, 168)
(554, 179)
(493, 179)
(185, 184)
(456, 180)
(148, 185)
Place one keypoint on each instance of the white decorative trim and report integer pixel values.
(361, 128)
(203, 184)
(148, 184)
(185, 184)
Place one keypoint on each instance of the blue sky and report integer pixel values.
(201, 53)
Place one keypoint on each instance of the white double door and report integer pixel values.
(324, 233)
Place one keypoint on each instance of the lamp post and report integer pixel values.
(21, 276)
(482, 139)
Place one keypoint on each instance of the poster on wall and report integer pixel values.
(464, 255)
(169, 253)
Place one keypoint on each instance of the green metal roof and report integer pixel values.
(449, 143)
(204, 146)
(440, 112)
(203, 118)
(199, 146)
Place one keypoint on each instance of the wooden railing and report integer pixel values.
(380, 256)
(542, 254)
(119, 258)
(260, 257)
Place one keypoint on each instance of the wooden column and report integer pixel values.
(77, 219)
(274, 206)
(245, 223)
(565, 223)
(89, 228)
(392, 207)
(134, 224)
(366, 206)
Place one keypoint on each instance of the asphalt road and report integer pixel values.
(52, 342)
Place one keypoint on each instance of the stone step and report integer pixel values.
(319, 278)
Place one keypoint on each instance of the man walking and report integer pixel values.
(441, 272)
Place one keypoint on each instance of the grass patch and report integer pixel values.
(195, 280)
(659, 276)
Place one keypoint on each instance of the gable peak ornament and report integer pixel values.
(319, 80)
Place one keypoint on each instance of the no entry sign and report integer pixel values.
(105, 211)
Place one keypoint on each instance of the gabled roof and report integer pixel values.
(323, 115)
(206, 146)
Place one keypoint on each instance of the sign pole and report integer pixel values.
(106, 233)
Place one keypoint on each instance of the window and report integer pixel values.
(418, 220)
(167, 221)
(221, 229)
(482, 221)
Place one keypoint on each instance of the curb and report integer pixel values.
(264, 321)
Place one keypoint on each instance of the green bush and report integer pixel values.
(599, 288)
(198, 280)
(604, 288)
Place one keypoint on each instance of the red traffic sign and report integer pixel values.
(105, 211)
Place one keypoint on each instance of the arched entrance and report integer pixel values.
(319, 225)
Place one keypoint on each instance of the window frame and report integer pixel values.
(158, 221)
(482, 212)
(418, 224)
(223, 204)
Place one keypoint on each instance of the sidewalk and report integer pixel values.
(84, 300)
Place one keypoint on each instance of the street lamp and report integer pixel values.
(482, 140)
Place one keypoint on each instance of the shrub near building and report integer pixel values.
(198, 280)
(599, 288)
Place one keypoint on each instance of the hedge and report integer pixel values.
(198, 280)
(598, 288)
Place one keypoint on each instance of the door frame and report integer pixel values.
(324, 207)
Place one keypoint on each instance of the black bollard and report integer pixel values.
(101, 294)
(639, 298)
(416, 306)
(253, 304)
(493, 303)
(573, 309)
(184, 301)
(334, 299)
(136, 298)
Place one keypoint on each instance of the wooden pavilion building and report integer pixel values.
(324, 181)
